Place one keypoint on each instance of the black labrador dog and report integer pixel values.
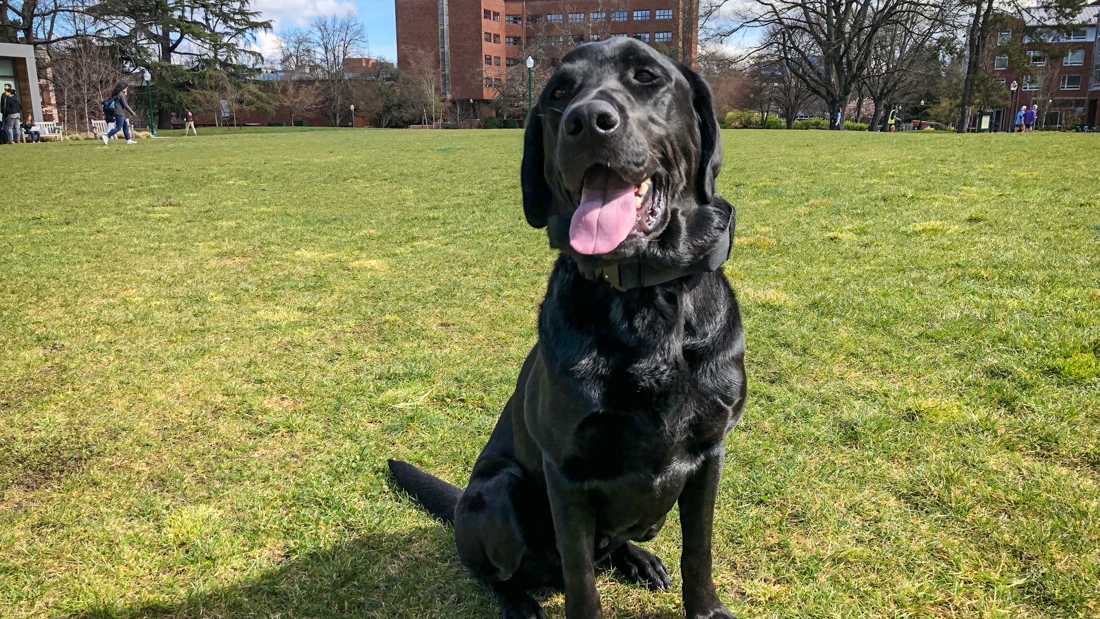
(622, 406)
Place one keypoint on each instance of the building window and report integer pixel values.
(533, 18)
(496, 16)
(555, 18)
(1030, 84)
(593, 37)
(1000, 63)
(1070, 82)
(513, 19)
(496, 38)
(496, 61)
(642, 36)
(487, 14)
(618, 15)
(1004, 38)
(597, 16)
(488, 37)
(663, 37)
(663, 14)
(488, 60)
(513, 41)
(1036, 58)
(1079, 34)
(576, 18)
(641, 15)
(1074, 58)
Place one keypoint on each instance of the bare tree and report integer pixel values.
(336, 39)
(82, 72)
(297, 97)
(898, 54)
(825, 43)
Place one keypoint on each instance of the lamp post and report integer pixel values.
(352, 106)
(530, 81)
(147, 81)
(1014, 86)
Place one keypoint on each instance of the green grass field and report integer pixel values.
(211, 345)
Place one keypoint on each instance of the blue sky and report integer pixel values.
(376, 15)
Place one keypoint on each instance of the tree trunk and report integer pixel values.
(875, 115)
(974, 41)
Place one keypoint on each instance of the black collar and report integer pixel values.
(631, 274)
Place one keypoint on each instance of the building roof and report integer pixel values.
(1046, 17)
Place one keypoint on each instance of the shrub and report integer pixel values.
(744, 119)
(492, 123)
(812, 123)
(852, 125)
(510, 123)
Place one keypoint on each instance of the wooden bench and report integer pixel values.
(101, 127)
(50, 131)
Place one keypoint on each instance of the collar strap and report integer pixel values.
(631, 274)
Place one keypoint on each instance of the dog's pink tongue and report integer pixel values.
(605, 217)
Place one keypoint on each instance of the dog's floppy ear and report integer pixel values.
(536, 192)
(710, 144)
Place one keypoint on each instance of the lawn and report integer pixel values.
(211, 345)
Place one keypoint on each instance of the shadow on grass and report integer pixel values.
(406, 574)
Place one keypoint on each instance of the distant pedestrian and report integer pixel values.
(1029, 118)
(11, 109)
(892, 120)
(189, 123)
(1018, 127)
(115, 109)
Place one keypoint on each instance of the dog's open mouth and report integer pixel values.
(611, 209)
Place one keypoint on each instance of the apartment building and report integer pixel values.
(470, 44)
(1059, 70)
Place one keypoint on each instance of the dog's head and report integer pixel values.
(620, 157)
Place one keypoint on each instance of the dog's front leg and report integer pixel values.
(575, 529)
(697, 523)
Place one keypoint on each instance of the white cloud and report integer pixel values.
(297, 13)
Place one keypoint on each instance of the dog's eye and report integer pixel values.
(645, 76)
(561, 92)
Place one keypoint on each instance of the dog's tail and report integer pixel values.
(434, 494)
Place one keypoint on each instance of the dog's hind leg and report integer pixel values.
(490, 536)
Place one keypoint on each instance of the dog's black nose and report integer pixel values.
(597, 118)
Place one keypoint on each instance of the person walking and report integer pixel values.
(1030, 115)
(189, 123)
(11, 109)
(117, 110)
(892, 120)
(1018, 127)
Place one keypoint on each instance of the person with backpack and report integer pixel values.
(116, 110)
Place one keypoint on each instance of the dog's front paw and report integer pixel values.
(641, 567)
(717, 612)
(526, 608)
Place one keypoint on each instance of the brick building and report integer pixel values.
(1059, 70)
(469, 44)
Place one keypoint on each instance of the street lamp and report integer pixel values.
(530, 80)
(1014, 86)
(352, 106)
(147, 81)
